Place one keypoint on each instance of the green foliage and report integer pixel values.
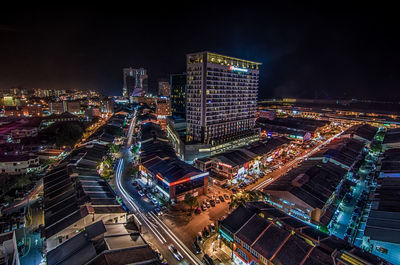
(68, 134)
(114, 148)
(23, 181)
(243, 197)
(190, 200)
(114, 130)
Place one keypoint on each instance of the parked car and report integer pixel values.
(221, 198)
(175, 253)
(203, 207)
(212, 202)
(226, 196)
(196, 247)
(212, 227)
(158, 211)
(205, 232)
(134, 183)
(197, 211)
(199, 237)
(208, 260)
(217, 200)
(208, 204)
(141, 193)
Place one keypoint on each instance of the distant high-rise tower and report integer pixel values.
(163, 88)
(178, 94)
(221, 97)
(135, 82)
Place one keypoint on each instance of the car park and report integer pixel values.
(175, 253)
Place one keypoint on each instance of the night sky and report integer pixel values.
(313, 51)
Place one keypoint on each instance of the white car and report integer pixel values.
(141, 193)
(175, 252)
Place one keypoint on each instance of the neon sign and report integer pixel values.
(224, 165)
(182, 180)
(234, 68)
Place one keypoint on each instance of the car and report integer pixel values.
(199, 238)
(349, 231)
(226, 196)
(134, 183)
(175, 253)
(208, 204)
(138, 187)
(154, 200)
(217, 200)
(197, 211)
(221, 198)
(205, 232)
(208, 260)
(234, 191)
(158, 211)
(212, 227)
(196, 247)
(141, 193)
(203, 207)
(212, 202)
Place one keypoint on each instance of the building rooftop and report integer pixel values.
(283, 243)
(312, 182)
(366, 132)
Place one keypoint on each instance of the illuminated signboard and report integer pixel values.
(182, 180)
(224, 165)
(234, 68)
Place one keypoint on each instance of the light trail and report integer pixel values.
(130, 201)
(150, 225)
(269, 181)
(174, 238)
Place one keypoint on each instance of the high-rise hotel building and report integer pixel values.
(221, 98)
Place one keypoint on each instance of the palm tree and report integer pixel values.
(191, 201)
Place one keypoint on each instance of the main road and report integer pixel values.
(156, 232)
(285, 168)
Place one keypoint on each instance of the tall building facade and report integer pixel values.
(135, 82)
(178, 94)
(163, 88)
(221, 97)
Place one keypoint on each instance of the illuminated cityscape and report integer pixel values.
(253, 136)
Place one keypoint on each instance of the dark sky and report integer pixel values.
(338, 51)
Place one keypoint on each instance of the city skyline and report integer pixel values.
(307, 51)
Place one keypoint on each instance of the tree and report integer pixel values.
(191, 201)
(68, 134)
(113, 148)
(243, 197)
